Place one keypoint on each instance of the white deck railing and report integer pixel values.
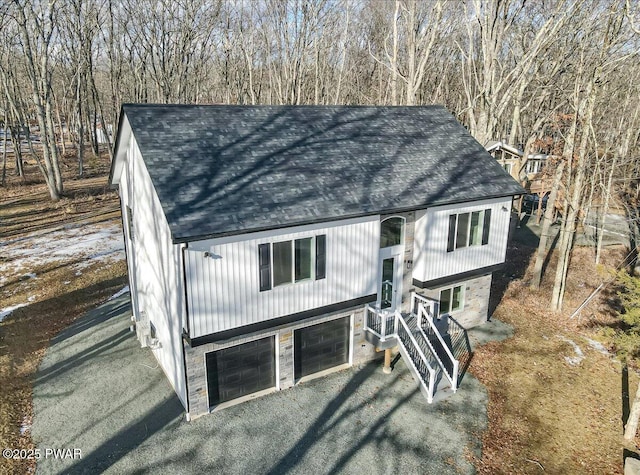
(381, 323)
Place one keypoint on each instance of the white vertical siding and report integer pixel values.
(431, 259)
(223, 290)
(157, 267)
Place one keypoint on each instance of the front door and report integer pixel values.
(390, 280)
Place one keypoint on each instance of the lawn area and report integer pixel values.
(549, 410)
(556, 399)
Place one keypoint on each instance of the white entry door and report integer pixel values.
(390, 279)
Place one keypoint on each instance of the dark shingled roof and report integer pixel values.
(221, 170)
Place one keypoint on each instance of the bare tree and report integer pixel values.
(494, 74)
(37, 25)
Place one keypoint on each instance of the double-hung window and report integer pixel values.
(287, 262)
(468, 229)
(451, 300)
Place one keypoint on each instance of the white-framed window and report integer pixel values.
(534, 166)
(451, 300)
(507, 167)
(469, 229)
(287, 262)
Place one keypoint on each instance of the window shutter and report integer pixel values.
(452, 233)
(321, 256)
(264, 258)
(485, 227)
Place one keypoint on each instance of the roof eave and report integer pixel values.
(123, 136)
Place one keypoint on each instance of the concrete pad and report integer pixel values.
(98, 391)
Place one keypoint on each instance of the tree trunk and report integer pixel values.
(634, 415)
(80, 125)
(605, 207)
(541, 253)
(17, 150)
(4, 148)
(568, 231)
(394, 57)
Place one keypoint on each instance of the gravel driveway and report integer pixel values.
(98, 391)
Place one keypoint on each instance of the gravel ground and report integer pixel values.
(98, 391)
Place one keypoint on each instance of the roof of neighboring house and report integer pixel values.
(221, 170)
(491, 146)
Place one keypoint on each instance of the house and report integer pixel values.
(536, 182)
(511, 158)
(267, 245)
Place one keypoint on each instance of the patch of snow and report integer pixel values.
(78, 272)
(5, 312)
(82, 245)
(32, 298)
(573, 360)
(66, 282)
(120, 292)
(596, 345)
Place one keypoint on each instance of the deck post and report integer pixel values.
(386, 369)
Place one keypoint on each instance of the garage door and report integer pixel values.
(240, 370)
(321, 346)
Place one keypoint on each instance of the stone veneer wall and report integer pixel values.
(476, 300)
(363, 351)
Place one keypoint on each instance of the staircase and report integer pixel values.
(424, 343)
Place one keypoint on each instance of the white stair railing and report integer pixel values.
(432, 306)
(415, 357)
(427, 328)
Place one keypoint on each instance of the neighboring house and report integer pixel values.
(511, 157)
(270, 244)
(103, 137)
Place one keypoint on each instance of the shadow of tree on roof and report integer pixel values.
(282, 166)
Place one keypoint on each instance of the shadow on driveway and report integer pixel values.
(98, 391)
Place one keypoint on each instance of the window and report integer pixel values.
(391, 232)
(286, 262)
(282, 259)
(303, 259)
(507, 167)
(451, 300)
(534, 166)
(468, 229)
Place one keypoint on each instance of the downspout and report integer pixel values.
(186, 321)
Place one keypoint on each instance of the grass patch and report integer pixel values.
(546, 414)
